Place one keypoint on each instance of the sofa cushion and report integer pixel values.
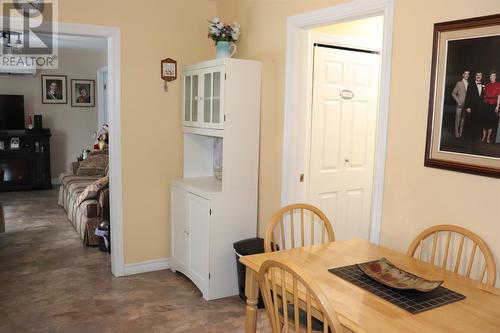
(67, 179)
(64, 175)
(98, 152)
(73, 190)
(93, 190)
(74, 167)
(71, 204)
(93, 165)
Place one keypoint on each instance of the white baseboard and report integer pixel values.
(147, 266)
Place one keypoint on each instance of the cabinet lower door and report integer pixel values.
(180, 226)
(199, 216)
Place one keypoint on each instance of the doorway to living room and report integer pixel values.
(79, 90)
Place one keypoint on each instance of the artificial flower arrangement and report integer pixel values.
(222, 32)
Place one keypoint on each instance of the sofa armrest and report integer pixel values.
(90, 208)
(104, 202)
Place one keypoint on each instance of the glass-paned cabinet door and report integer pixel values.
(207, 102)
(190, 114)
(187, 99)
(213, 87)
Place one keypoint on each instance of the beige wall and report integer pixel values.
(151, 131)
(415, 197)
(72, 128)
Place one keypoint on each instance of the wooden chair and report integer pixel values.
(462, 238)
(311, 219)
(300, 305)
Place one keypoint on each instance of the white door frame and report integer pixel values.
(298, 98)
(100, 92)
(114, 118)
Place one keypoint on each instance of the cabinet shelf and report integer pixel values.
(204, 131)
(203, 186)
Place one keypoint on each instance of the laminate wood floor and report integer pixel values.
(50, 282)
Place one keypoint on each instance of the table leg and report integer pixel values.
(252, 294)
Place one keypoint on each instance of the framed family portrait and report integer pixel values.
(54, 89)
(463, 129)
(82, 93)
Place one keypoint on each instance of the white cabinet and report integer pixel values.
(221, 102)
(203, 97)
(190, 242)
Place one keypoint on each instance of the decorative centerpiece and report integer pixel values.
(383, 271)
(225, 36)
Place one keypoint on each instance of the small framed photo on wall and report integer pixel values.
(82, 93)
(54, 89)
(463, 127)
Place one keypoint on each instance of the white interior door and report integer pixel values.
(344, 113)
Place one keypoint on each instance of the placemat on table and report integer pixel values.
(412, 301)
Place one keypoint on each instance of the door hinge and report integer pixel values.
(225, 76)
(301, 178)
(209, 212)
(209, 275)
(224, 117)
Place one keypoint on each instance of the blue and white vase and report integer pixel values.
(223, 49)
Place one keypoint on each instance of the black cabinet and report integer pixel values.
(25, 160)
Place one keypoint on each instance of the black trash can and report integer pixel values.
(103, 233)
(244, 248)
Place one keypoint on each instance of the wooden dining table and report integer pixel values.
(361, 311)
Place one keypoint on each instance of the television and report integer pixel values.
(11, 112)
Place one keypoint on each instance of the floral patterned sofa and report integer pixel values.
(84, 195)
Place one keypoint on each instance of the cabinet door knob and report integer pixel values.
(186, 233)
